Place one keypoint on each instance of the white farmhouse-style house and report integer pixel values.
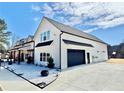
(66, 45)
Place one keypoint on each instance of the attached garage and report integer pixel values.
(66, 45)
(75, 57)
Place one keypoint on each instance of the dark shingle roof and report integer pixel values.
(71, 30)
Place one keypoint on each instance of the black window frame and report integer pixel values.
(41, 55)
(44, 57)
(48, 55)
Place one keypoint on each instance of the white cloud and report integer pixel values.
(36, 8)
(97, 15)
(47, 10)
(36, 19)
(90, 30)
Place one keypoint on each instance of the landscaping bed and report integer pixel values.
(32, 72)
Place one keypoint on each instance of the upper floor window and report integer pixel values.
(48, 35)
(41, 36)
(45, 36)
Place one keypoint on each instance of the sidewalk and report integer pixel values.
(11, 82)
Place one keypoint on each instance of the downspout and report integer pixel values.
(60, 50)
(33, 51)
(108, 52)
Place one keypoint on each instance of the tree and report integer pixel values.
(2, 48)
(4, 35)
(14, 39)
(119, 49)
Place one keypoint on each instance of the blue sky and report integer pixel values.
(19, 18)
(104, 20)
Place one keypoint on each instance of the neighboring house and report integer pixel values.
(23, 49)
(4, 56)
(66, 45)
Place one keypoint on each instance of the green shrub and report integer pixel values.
(50, 62)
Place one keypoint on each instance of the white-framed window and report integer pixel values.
(45, 36)
(41, 37)
(48, 35)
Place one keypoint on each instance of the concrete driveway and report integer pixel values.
(93, 77)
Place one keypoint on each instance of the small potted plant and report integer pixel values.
(10, 62)
(44, 73)
(29, 60)
(50, 63)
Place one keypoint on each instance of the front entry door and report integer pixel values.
(88, 58)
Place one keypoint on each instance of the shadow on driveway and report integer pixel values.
(0, 89)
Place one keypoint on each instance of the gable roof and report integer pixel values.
(29, 38)
(74, 31)
(24, 40)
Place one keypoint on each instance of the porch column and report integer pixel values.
(14, 55)
(19, 57)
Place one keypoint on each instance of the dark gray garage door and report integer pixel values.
(75, 57)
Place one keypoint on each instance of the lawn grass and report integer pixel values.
(116, 61)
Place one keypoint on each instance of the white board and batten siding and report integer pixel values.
(97, 53)
(98, 50)
(53, 49)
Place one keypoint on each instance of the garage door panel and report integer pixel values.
(75, 57)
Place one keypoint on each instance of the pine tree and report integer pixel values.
(4, 35)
